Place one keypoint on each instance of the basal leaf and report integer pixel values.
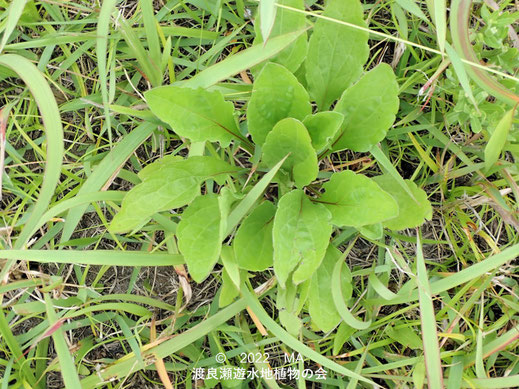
(200, 234)
(287, 21)
(498, 139)
(369, 108)
(253, 242)
(356, 200)
(289, 136)
(196, 114)
(336, 53)
(301, 235)
(411, 212)
(321, 307)
(167, 184)
(276, 95)
(322, 127)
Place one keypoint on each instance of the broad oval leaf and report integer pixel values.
(253, 242)
(369, 108)
(167, 184)
(200, 234)
(301, 234)
(322, 127)
(336, 52)
(196, 114)
(320, 301)
(355, 200)
(289, 136)
(276, 95)
(412, 212)
(286, 21)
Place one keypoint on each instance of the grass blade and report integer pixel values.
(66, 362)
(440, 20)
(461, 72)
(104, 171)
(54, 133)
(53, 130)
(459, 278)
(497, 141)
(124, 366)
(428, 320)
(78, 200)
(267, 9)
(292, 342)
(388, 166)
(242, 61)
(15, 10)
(150, 26)
(103, 27)
(149, 69)
(97, 257)
(338, 299)
(411, 7)
(239, 212)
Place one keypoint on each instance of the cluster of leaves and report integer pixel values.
(293, 233)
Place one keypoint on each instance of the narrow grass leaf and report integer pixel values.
(77, 201)
(129, 337)
(492, 383)
(267, 9)
(498, 138)
(128, 364)
(459, 278)
(241, 210)
(103, 28)
(385, 163)
(455, 373)
(440, 21)
(7, 374)
(104, 171)
(338, 298)
(244, 60)
(480, 367)
(428, 319)
(152, 36)
(54, 134)
(293, 343)
(380, 288)
(411, 7)
(15, 348)
(66, 361)
(97, 257)
(15, 11)
(150, 69)
(461, 72)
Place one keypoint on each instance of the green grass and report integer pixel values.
(82, 306)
